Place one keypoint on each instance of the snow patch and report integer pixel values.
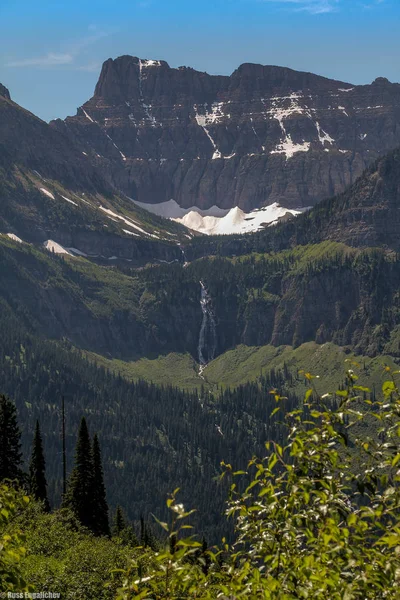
(323, 136)
(14, 237)
(130, 232)
(346, 90)
(76, 251)
(146, 107)
(47, 193)
(342, 108)
(88, 116)
(290, 148)
(68, 200)
(201, 122)
(56, 248)
(151, 63)
(287, 146)
(128, 222)
(105, 133)
(236, 220)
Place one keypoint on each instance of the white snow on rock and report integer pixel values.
(219, 221)
(290, 148)
(47, 193)
(105, 133)
(237, 221)
(202, 122)
(88, 116)
(128, 222)
(53, 246)
(131, 232)
(210, 118)
(279, 112)
(68, 200)
(77, 252)
(343, 109)
(323, 136)
(14, 237)
(151, 63)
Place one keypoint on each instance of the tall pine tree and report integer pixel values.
(10, 441)
(79, 496)
(37, 470)
(100, 506)
(119, 521)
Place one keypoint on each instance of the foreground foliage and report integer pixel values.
(308, 525)
(318, 517)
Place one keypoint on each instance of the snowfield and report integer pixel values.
(53, 246)
(218, 221)
(14, 237)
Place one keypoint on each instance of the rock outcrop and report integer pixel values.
(4, 92)
(27, 141)
(265, 134)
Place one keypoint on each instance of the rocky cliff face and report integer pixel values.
(262, 135)
(27, 141)
(366, 214)
(4, 92)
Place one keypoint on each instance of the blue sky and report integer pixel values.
(52, 50)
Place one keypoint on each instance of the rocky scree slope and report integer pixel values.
(264, 134)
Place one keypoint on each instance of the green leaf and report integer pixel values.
(388, 388)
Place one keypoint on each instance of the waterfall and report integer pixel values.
(185, 262)
(208, 333)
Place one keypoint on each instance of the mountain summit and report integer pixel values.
(4, 92)
(264, 134)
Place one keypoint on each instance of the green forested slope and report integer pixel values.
(322, 293)
(158, 438)
(154, 439)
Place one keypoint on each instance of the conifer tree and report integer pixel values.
(10, 441)
(119, 521)
(100, 506)
(37, 470)
(79, 496)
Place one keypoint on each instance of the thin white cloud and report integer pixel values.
(89, 68)
(319, 7)
(68, 58)
(49, 60)
(315, 7)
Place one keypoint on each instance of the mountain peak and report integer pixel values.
(381, 81)
(119, 78)
(4, 92)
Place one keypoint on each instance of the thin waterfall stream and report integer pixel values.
(208, 332)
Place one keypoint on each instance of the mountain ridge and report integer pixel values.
(51, 192)
(264, 134)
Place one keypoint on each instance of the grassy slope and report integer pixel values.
(246, 363)
(106, 292)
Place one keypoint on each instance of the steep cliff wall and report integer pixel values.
(262, 135)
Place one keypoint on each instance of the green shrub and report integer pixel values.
(308, 524)
(12, 549)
